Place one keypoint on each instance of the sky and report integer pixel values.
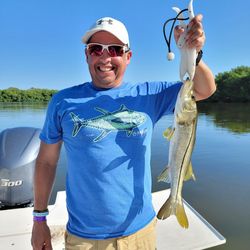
(40, 41)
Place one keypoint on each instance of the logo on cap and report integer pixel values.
(109, 21)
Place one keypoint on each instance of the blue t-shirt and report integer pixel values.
(107, 136)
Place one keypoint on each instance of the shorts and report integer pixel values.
(144, 239)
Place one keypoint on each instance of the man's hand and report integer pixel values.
(41, 238)
(195, 37)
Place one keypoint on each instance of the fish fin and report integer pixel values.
(102, 135)
(78, 124)
(168, 133)
(166, 210)
(105, 112)
(123, 107)
(181, 215)
(165, 175)
(189, 173)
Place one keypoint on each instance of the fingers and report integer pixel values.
(48, 246)
(43, 246)
(195, 37)
(178, 30)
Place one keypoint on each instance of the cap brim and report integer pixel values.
(90, 33)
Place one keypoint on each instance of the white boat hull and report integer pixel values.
(16, 226)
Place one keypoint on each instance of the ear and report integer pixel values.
(86, 55)
(128, 56)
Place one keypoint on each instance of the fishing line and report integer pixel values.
(171, 30)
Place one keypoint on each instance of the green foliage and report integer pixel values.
(29, 95)
(233, 86)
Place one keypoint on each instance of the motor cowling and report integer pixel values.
(18, 152)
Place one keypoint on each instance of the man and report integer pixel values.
(106, 126)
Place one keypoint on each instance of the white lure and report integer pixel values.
(188, 56)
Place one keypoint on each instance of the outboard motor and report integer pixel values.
(18, 152)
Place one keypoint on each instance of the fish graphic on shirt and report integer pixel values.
(122, 119)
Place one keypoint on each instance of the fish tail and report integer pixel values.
(181, 215)
(166, 210)
(171, 207)
(78, 124)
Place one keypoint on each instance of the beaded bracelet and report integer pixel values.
(39, 218)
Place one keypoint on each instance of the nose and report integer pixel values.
(105, 55)
(105, 51)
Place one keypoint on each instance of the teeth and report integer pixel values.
(106, 69)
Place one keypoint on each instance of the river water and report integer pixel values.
(221, 192)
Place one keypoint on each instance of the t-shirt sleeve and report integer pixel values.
(52, 130)
(166, 98)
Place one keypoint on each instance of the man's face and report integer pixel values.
(107, 71)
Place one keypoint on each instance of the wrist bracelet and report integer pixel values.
(40, 213)
(198, 58)
(39, 218)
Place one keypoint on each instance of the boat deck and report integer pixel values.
(16, 226)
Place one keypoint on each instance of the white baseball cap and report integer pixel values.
(110, 25)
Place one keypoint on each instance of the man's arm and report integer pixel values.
(45, 171)
(44, 176)
(204, 84)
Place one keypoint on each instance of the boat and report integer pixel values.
(16, 223)
(16, 226)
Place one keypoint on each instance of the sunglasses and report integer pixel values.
(97, 49)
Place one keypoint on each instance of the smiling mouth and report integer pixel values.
(105, 69)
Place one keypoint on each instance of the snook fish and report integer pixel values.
(181, 146)
(122, 119)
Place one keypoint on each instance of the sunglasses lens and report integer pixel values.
(115, 50)
(95, 49)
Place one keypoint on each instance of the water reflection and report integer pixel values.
(235, 117)
(22, 115)
(22, 106)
